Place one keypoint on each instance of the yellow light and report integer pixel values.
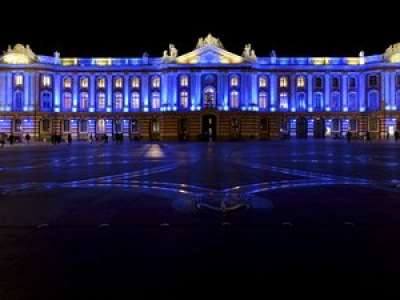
(353, 61)
(321, 60)
(16, 59)
(69, 61)
(395, 58)
(103, 61)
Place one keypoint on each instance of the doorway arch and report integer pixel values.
(209, 127)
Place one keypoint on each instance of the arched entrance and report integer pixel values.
(319, 128)
(209, 127)
(301, 128)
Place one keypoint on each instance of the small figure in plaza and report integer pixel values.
(69, 139)
(105, 138)
(11, 139)
(396, 135)
(27, 138)
(2, 140)
(368, 136)
(91, 138)
(348, 136)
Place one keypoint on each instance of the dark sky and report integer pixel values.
(118, 29)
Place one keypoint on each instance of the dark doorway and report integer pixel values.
(301, 128)
(155, 130)
(319, 128)
(183, 134)
(264, 129)
(209, 127)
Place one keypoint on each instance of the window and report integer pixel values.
(335, 83)
(283, 82)
(84, 101)
(84, 82)
(335, 125)
(352, 83)
(46, 101)
(301, 82)
(118, 83)
(101, 83)
(373, 101)
(155, 82)
(135, 82)
(262, 82)
(134, 126)
(46, 81)
(234, 99)
(373, 81)
(301, 101)
(353, 125)
(234, 81)
(318, 83)
(18, 100)
(19, 80)
(262, 100)
(46, 125)
(101, 126)
(83, 126)
(118, 101)
(67, 101)
(17, 125)
(67, 83)
(352, 102)
(135, 100)
(184, 81)
(398, 80)
(283, 101)
(66, 125)
(209, 96)
(335, 101)
(155, 100)
(184, 99)
(318, 101)
(101, 100)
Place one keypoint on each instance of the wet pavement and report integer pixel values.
(100, 221)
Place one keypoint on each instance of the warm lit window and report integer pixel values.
(84, 83)
(262, 100)
(283, 82)
(118, 101)
(19, 80)
(184, 81)
(101, 126)
(155, 82)
(155, 100)
(67, 102)
(234, 81)
(46, 81)
(101, 100)
(135, 100)
(234, 99)
(262, 82)
(118, 83)
(283, 101)
(184, 99)
(84, 101)
(101, 83)
(67, 83)
(135, 82)
(301, 82)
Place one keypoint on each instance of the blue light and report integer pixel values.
(345, 109)
(328, 108)
(310, 109)
(394, 107)
(56, 109)
(192, 108)
(74, 109)
(226, 108)
(293, 109)
(91, 109)
(362, 109)
(109, 109)
(273, 109)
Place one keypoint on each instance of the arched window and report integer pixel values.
(155, 100)
(67, 101)
(262, 100)
(209, 96)
(318, 102)
(262, 82)
(352, 102)
(46, 81)
(234, 99)
(135, 82)
(135, 100)
(283, 101)
(373, 101)
(301, 101)
(184, 81)
(84, 82)
(67, 83)
(184, 99)
(283, 82)
(84, 101)
(46, 100)
(300, 82)
(118, 83)
(155, 82)
(101, 101)
(101, 83)
(118, 101)
(335, 101)
(234, 82)
(19, 80)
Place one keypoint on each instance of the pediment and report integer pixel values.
(209, 54)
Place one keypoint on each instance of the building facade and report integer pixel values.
(207, 93)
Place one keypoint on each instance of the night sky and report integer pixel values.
(115, 29)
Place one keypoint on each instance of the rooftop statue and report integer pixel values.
(209, 40)
(249, 53)
(392, 53)
(20, 54)
(172, 55)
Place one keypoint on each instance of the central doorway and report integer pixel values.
(209, 127)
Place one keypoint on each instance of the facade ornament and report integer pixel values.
(209, 40)
(249, 53)
(392, 54)
(171, 55)
(20, 54)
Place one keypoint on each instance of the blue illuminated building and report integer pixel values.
(206, 93)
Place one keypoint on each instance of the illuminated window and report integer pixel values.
(101, 126)
(135, 82)
(19, 80)
(67, 83)
(372, 81)
(101, 100)
(234, 99)
(101, 83)
(84, 82)
(283, 101)
(67, 101)
(135, 100)
(118, 83)
(155, 100)
(184, 82)
(118, 101)
(301, 82)
(283, 82)
(234, 81)
(184, 99)
(84, 101)
(155, 82)
(318, 101)
(46, 81)
(262, 100)
(301, 101)
(262, 82)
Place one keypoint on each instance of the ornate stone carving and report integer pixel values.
(171, 56)
(392, 53)
(20, 54)
(209, 40)
(249, 53)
